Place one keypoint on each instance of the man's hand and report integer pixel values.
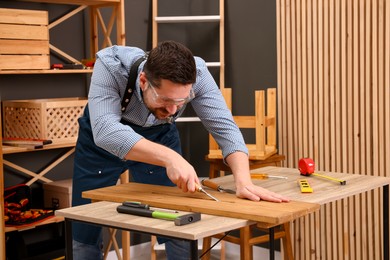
(183, 174)
(256, 193)
(179, 171)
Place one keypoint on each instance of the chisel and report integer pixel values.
(200, 189)
(215, 186)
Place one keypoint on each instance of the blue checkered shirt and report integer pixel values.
(108, 83)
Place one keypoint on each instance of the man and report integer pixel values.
(134, 128)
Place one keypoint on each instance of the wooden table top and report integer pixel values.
(104, 213)
(324, 191)
(228, 206)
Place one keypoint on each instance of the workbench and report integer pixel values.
(268, 213)
(104, 213)
(264, 214)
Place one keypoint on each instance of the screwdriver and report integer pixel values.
(261, 176)
(200, 189)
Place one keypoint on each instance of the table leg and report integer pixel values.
(272, 243)
(194, 249)
(68, 240)
(386, 222)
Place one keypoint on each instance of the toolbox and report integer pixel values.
(58, 194)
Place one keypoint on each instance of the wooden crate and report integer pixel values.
(52, 119)
(24, 39)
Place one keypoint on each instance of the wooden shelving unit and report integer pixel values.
(19, 72)
(96, 20)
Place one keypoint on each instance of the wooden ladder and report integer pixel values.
(196, 19)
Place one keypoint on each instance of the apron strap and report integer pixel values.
(131, 83)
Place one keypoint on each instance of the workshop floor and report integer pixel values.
(142, 252)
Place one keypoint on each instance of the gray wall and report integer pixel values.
(250, 54)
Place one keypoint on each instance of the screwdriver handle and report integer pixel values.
(210, 184)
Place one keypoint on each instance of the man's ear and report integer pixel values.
(142, 81)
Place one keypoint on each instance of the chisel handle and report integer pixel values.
(211, 184)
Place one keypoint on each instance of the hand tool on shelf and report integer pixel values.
(178, 219)
(200, 189)
(261, 176)
(306, 167)
(215, 186)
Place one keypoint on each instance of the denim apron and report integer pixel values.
(95, 168)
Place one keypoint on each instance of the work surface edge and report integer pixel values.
(104, 213)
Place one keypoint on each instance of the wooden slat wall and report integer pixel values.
(334, 106)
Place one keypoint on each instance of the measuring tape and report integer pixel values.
(306, 167)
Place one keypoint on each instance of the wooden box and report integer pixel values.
(58, 194)
(49, 119)
(24, 39)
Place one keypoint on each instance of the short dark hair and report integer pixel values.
(171, 61)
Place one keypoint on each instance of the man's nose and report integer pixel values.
(171, 108)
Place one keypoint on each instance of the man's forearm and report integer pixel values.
(239, 164)
(152, 153)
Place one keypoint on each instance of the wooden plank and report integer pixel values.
(260, 116)
(25, 32)
(387, 83)
(120, 23)
(375, 114)
(66, 16)
(154, 23)
(174, 198)
(222, 44)
(309, 86)
(362, 82)
(245, 121)
(21, 16)
(320, 144)
(279, 67)
(294, 98)
(282, 79)
(13, 62)
(326, 91)
(188, 19)
(24, 47)
(332, 78)
(270, 119)
(78, 2)
(304, 96)
(299, 123)
(45, 71)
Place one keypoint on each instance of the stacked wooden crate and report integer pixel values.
(24, 39)
(48, 119)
